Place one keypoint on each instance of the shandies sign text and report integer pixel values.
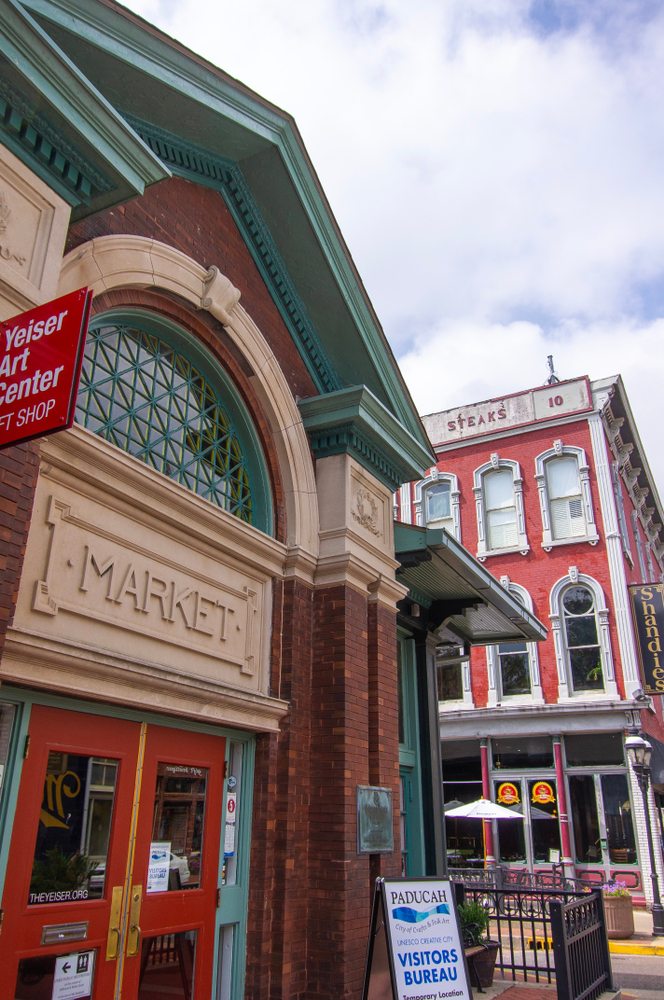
(40, 363)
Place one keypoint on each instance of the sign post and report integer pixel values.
(40, 364)
(415, 949)
(648, 614)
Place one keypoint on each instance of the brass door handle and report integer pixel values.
(134, 935)
(114, 936)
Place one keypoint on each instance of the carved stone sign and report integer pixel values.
(139, 601)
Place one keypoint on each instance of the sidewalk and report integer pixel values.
(642, 942)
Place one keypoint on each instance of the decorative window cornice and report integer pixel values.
(558, 451)
(495, 463)
(196, 163)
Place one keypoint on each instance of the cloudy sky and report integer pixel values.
(496, 166)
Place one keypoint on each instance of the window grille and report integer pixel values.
(144, 396)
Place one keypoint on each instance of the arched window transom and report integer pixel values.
(146, 397)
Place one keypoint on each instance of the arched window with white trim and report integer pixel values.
(563, 482)
(513, 667)
(501, 523)
(580, 625)
(437, 502)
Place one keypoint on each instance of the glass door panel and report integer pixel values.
(585, 819)
(511, 833)
(545, 829)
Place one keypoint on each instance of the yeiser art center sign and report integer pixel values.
(415, 947)
(40, 363)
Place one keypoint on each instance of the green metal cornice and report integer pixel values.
(200, 165)
(258, 125)
(353, 421)
(25, 129)
(61, 126)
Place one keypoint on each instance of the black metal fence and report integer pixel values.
(581, 950)
(501, 878)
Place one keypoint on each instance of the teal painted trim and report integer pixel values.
(92, 121)
(352, 420)
(223, 175)
(12, 778)
(259, 480)
(30, 134)
(417, 597)
(409, 759)
(235, 899)
(175, 67)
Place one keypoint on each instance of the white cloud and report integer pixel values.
(499, 184)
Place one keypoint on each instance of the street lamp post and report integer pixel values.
(639, 752)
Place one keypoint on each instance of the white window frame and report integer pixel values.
(495, 695)
(433, 477)
(466, 701)
(557, 451)
(565, 688)
(495, 463)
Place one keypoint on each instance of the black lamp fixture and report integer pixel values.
(639, 752)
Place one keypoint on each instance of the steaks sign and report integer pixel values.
(41, 352)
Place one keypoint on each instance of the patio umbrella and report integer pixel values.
(454, 804)
(483, 809)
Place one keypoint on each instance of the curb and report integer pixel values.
(635, 948)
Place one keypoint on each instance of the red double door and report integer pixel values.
(112, 875)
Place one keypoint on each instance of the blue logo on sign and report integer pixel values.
(410, 916)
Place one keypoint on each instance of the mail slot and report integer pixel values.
(57, 933)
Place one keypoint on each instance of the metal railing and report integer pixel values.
(581, 949)
(501, 878)
(520, 921)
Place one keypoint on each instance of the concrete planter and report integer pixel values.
(619, 917)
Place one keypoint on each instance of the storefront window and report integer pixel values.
(514, 668)
(618, 816)
(522, 752)
(74, 829)
(585, 821)
(462, 783)
(544, 819)
(583, 648)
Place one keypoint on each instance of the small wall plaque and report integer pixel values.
(375, 833)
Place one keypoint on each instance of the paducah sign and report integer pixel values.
(40, 364)
(415, 947)
(648, 614)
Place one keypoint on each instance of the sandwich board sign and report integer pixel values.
(415, 949)
(40, 364)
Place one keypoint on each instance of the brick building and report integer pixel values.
(551, 490)
(202, 597)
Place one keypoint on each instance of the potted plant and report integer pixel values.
(480, 951)
(618, 910)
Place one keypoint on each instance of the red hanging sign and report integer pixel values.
(40, 364)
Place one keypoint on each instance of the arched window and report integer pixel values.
(580, 626)
(501, 523)
(582, 639)
(513, 667)
(146, 388)
(563, 482)
(437, 502)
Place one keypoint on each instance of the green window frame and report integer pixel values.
(150, 389)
